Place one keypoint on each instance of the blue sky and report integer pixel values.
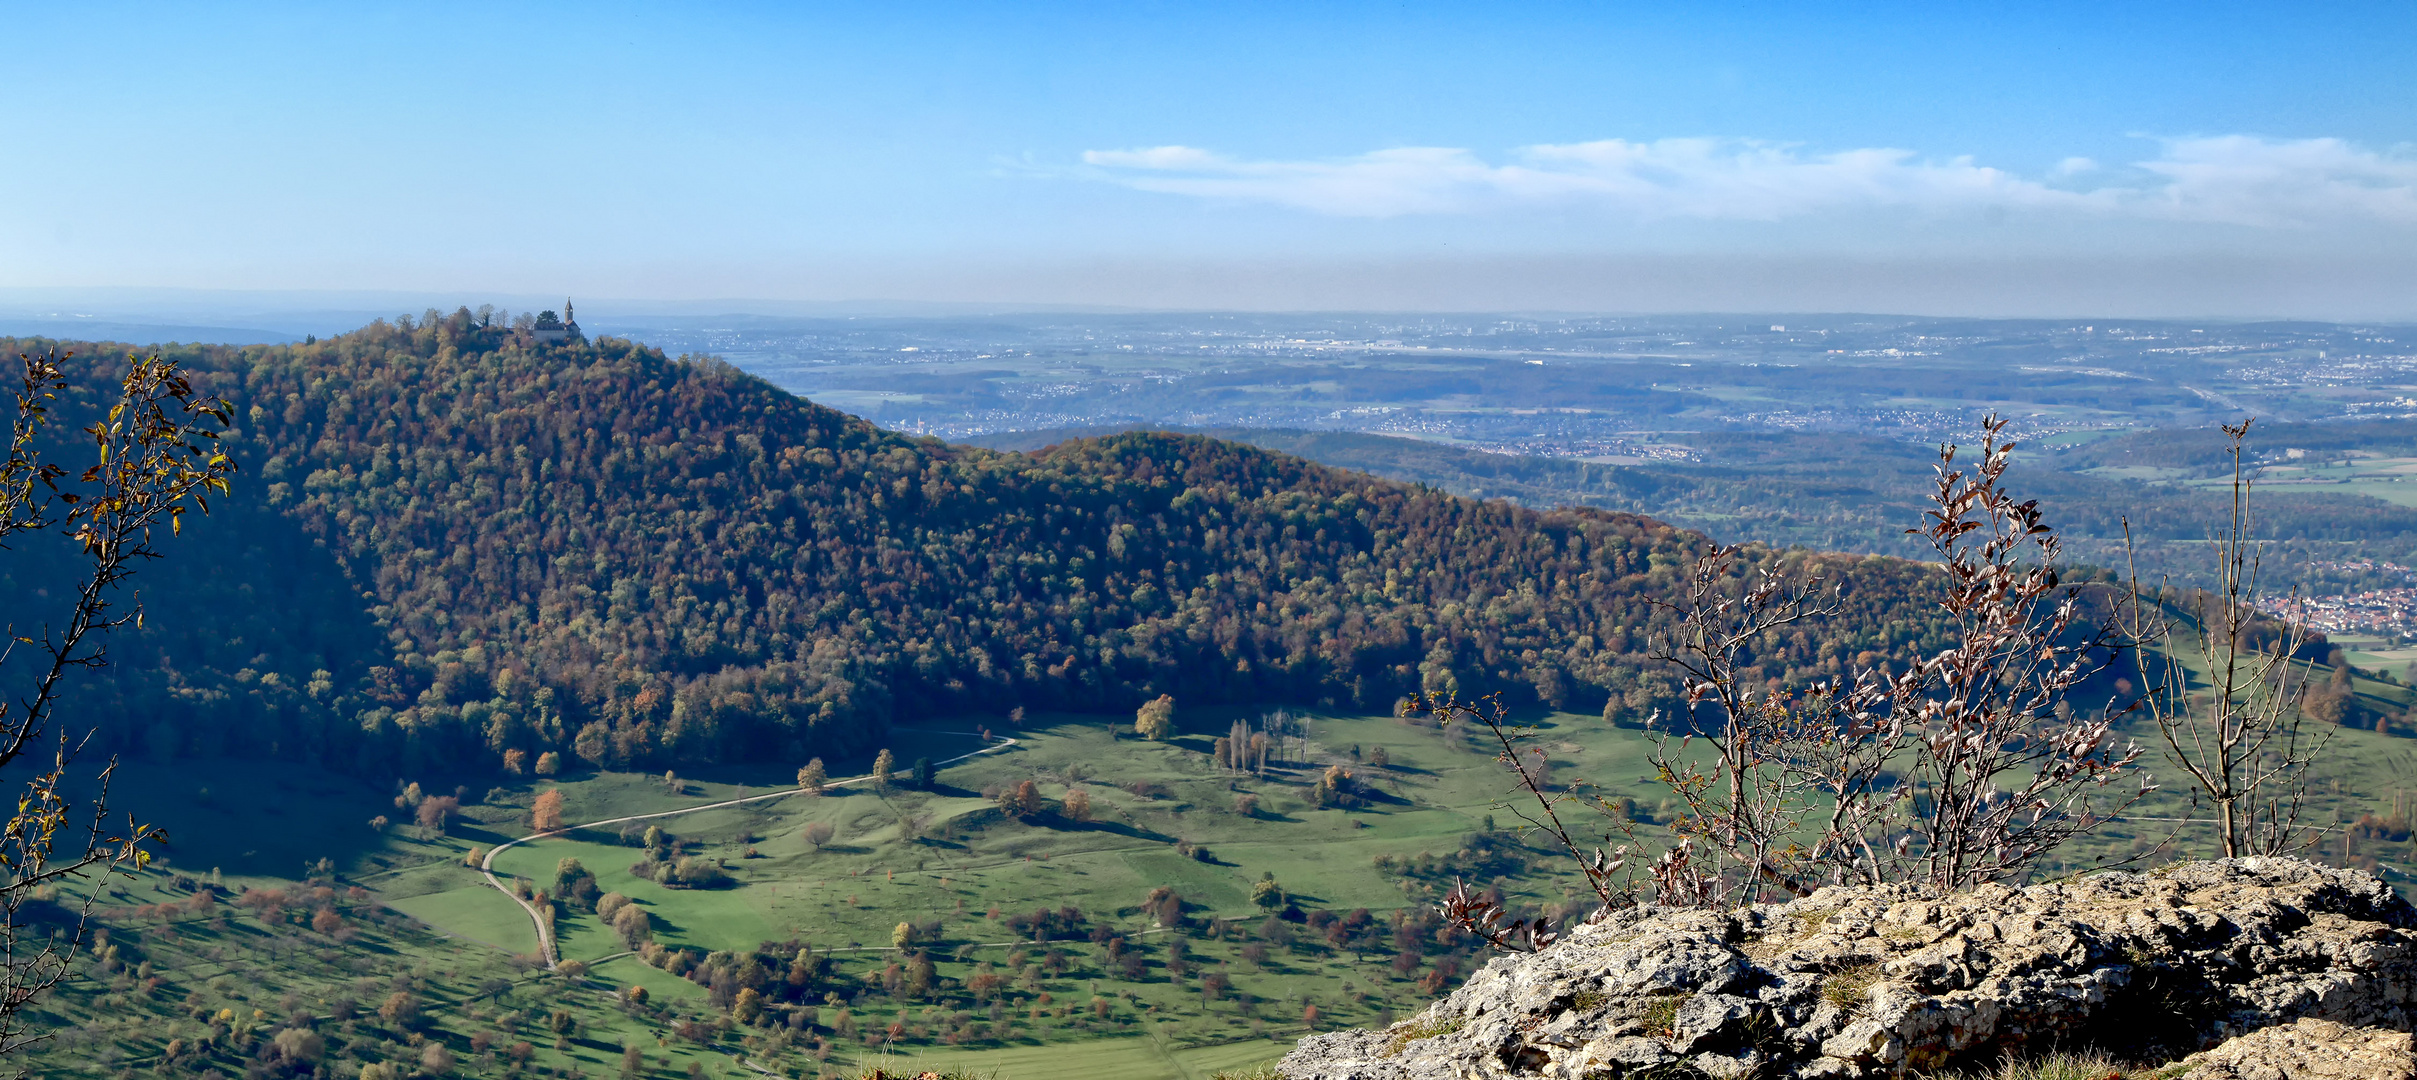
(2150, 159)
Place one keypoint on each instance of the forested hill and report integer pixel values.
(449, 542)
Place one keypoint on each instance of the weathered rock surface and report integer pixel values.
(1860, 982)
(2309, 1050)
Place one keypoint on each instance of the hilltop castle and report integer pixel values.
(551, 329)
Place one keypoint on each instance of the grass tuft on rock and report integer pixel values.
(1410, 1031)
(1846, 988)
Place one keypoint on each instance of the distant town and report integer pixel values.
(2390, 611)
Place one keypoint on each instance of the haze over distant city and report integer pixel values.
(2165, 160)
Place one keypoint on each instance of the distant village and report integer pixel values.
(2390, 611)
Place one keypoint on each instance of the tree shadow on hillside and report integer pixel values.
(1116, 828)
(837, 848)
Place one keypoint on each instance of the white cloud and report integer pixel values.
(2236, 179)
(2251, 181)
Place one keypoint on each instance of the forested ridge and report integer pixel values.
(1842, 492)
(449, 541)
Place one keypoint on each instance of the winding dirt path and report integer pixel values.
(545, 933)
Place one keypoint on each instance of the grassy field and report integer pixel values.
(1120, 995)
(2385, 478)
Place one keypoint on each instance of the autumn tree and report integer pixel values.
(1155, 720)
(633, 924)
(1265, 894)
(436, 812)
(516, 761)
(885, 765)
(549, 763)
(154, 455)
(1077, 805)
(818, 833)
(401, 1009)
(1164, 907)
(1022, 800)
(545, 815)
(813, 778)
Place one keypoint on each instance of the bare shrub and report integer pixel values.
(2240, 742)
(1948, 770)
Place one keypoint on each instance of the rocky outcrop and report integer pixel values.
(2309, 1050)
(1864, 982)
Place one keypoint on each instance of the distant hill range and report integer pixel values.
(1848, 493)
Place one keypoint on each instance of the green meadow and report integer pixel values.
(203, 974)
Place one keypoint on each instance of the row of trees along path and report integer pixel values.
(545, 932)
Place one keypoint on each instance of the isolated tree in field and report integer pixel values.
(436, 812)
(574, 884)
(545, 815)
(633, 924)
(1377, 758)
(903, 937)
(300, 1045)
(925, 775)
(1023, 800)
(1164, 907)
(884, 765)
(1155, 720)
(1077, 805)
(401, 1009)
(819, 833)
(812, 777)
(1266, 894)
(154, 456)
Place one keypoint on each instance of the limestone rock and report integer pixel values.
(1867, 982)
(2308, 1049)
